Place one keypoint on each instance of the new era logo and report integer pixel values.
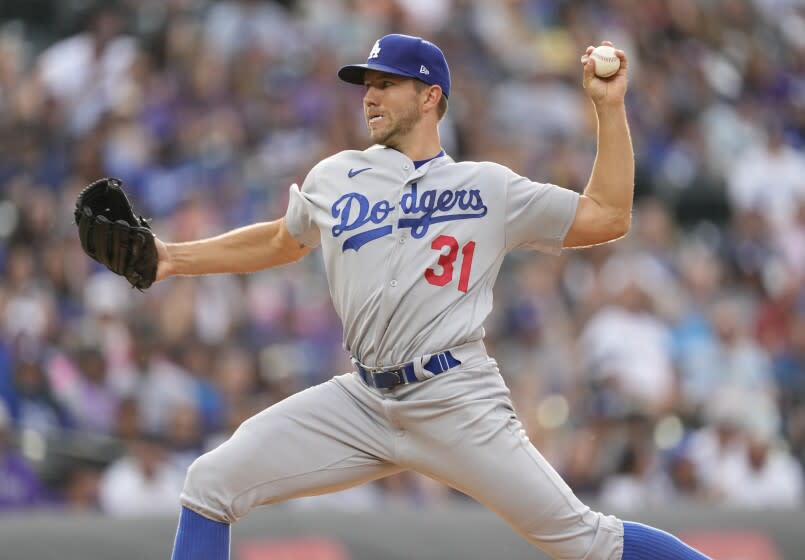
(423, 70)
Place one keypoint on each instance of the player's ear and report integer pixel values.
(434, 95)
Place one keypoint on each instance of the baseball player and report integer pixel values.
(412, 242)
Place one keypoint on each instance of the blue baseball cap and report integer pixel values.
(403, 55)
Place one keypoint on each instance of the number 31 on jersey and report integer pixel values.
(446, 261)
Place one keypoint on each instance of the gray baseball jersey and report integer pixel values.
(412, 254)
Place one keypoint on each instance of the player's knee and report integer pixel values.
(205, 489)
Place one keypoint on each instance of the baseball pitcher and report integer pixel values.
(412, 243)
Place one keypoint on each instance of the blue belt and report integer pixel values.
(404, 374)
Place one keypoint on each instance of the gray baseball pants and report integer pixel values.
(458, 428)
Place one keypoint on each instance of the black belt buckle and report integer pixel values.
(389, 378)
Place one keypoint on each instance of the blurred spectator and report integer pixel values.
(727, 361)
(184, 436)
(765, 477)
(790, 242)
(769, 179)
(20, 486)
(629, 487)
(683, 479)
(749, 247)
(85, 390)
(730, 131)
(702, 274)
(81, 488)
(28, 308)
(721, 445)
(655, 233)
(536, 329)
(37, 408)
(234, 377)
(789, 372)
(127, 424)
(157, 383)
(142, 482)
(625, 342)
(87, 72)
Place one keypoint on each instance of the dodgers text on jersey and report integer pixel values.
(353, 210)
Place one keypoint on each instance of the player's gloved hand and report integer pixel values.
(112, 234)
(605, 91)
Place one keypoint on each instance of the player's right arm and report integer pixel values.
(605, 208)
(247, 249)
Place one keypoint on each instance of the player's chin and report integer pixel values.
(379, 136)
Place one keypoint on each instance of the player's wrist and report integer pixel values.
(166, 267)
(605, 107)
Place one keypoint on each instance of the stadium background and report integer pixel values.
(664, 371)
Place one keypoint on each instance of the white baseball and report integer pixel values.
(606, 61)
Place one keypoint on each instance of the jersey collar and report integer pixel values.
(417, 168)
(421, 162)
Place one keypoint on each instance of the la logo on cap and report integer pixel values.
(375, 52)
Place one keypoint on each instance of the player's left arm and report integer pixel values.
(604, 211)
(240, 251)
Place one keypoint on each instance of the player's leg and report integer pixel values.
(642, 542)
(320, 440)
(200, 537)
(477, 445)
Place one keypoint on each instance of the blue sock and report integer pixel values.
(641, 542)
(199, 538)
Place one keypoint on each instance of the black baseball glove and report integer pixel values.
(112, 234)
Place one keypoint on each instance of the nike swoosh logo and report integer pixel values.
(353, 172)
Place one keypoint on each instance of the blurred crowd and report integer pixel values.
(667, 367)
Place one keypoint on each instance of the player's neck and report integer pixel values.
(420, 143)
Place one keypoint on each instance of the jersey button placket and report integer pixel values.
(401, 240)
(388, 299)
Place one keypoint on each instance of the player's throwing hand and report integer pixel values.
(605, 91)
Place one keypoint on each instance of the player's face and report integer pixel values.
(391, 107)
